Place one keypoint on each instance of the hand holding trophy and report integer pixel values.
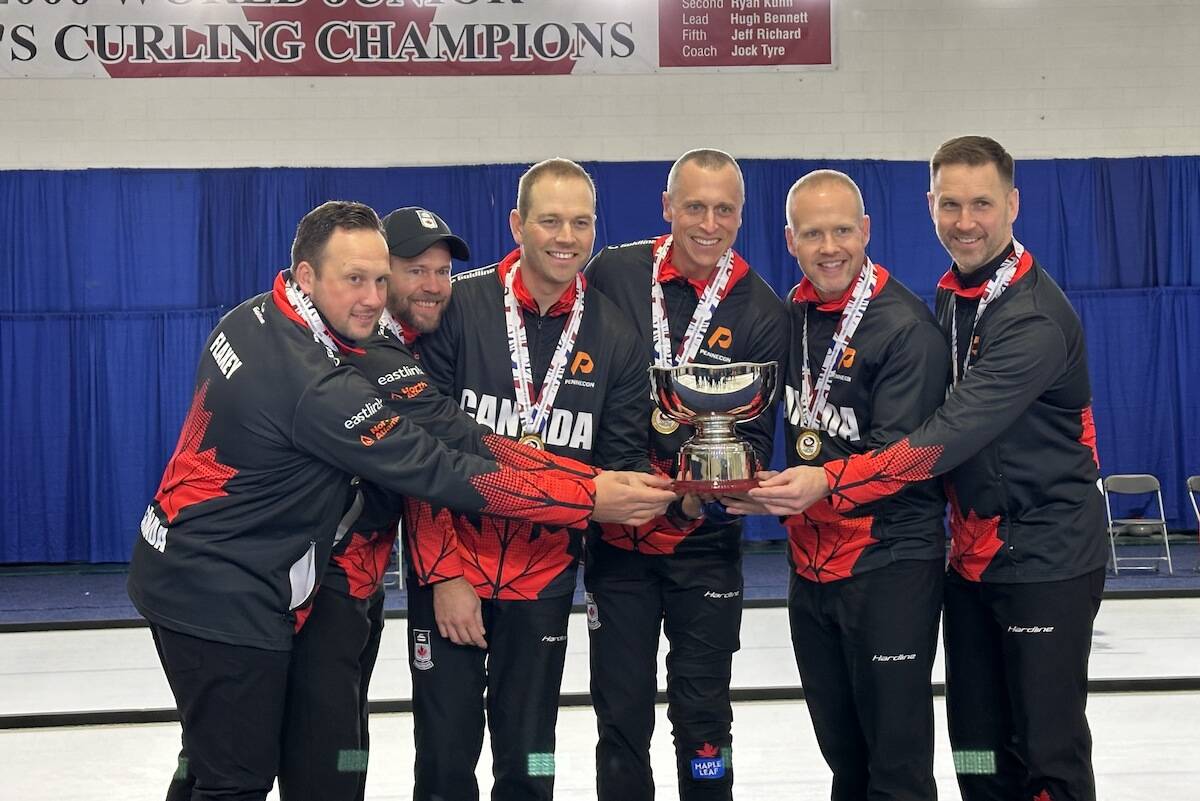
(713, 398)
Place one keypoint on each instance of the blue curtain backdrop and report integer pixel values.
(111, 279)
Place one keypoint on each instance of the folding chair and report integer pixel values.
(1136, 484)
(1193, 486)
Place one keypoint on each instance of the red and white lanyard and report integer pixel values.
(994, 289)
(701, 317)
(814, 399)
(535, 416)
(388, 323)
(303, 306)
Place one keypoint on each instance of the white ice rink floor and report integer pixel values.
(1146, 742)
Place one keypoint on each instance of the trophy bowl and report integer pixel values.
(712, 398)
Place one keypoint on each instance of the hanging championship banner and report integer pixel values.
(259, 38)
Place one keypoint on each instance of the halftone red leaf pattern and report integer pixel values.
(432, 542)
(974, 540)
(193, 475)
(662, 464)
(824, 545)
(655, 537)
(658, 536)
(870, 476)
(1088, 436)
(365, 560)
(511, 559)
(522, 457)
(708, 750)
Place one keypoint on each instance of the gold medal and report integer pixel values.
(663, 424)
(808, 444)
(533, 441)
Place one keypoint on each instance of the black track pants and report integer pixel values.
(521, 672)
(697, 602)
(865, 647)
(325, 740)
(1016, 687)
(230, 700)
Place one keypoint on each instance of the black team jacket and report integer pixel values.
(600, 418)
(750, 325)
(1014, 438)
(266, 470)
(890, 379)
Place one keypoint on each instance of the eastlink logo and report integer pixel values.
(407, 371)
(365, 412)
(1030, 629)
(893, 657)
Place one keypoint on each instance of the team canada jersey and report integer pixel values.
(600, 416)
(361, 558)
(749, 325)
(891, 377)
(1015, 436)
(264, 479)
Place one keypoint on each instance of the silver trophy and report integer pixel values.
(712, 398)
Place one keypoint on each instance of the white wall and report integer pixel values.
(1048, 78)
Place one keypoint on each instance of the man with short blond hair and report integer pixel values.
(692, 299)
(265, 479)
(1016, 440)
(867, 365)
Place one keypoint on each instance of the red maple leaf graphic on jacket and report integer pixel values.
(193, 475)
(867, 477)
(432, 542)
(824, 545)
(365, 560)
(659, 536)
(974, 540)
(511, 558)
(708, 751)
(1044, 795)
(536, 486)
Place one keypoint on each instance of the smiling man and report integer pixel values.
(1016, 441)
(692, 299)
(867, 365)
(282, 431)
(535, 354)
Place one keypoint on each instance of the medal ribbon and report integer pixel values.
(534, 416)
(814, 399)
(388, 323)
(713, 294)
(303, 306)
(994, 289)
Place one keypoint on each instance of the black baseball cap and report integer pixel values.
(411, 230)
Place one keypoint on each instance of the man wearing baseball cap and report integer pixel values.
(334, 652)
(266, 482)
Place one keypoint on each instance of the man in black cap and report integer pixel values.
(265, 481)
(334, 653)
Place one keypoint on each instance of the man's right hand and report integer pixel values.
(630, 498)
(457, 612)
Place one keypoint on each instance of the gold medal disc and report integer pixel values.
(663, 424)
(533, 441)
(808, 444)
